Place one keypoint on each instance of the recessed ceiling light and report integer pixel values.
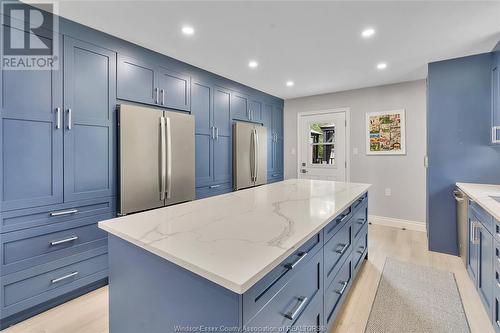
(253, 64)
(368, 32)
(187, 30)
(381, 65)
(290, 83)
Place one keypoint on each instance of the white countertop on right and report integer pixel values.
(482, 194)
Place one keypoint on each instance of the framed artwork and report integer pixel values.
(386, 133)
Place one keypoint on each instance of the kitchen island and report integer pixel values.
(262, 259)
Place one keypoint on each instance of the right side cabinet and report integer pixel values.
(495, 98)
(273, 120)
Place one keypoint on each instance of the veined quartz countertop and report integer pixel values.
(235, 239)
(482, 193)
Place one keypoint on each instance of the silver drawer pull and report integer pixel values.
(214, 186)
(344, 285)
(498, 323)
(361, 221)
(361, 249)
(302, 256)
(498, 284)
(341, 251)
(498, 259)
(62, 241)
(298, 308)
(64, 277)
(64, 212)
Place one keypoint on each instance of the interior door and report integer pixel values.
(322, 147)
(180, 157)
(31, 137)
(89, 102)
(139, 133)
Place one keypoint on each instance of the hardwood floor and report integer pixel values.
(89, 313)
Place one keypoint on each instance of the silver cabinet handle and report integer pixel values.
(498, 323)
(64, 277)
(212, 132)
(163, 159)
(156, 95)
(169, 158)
(214, 186)
(297, 309)
(217, 133)
(342, 250)
(162, 97)
(64, 212)
(494, 131)
(361, 221)
(344, 285)
(361, 249)
(302, 255)
(58, 118)
(62, 241)
(69, 119)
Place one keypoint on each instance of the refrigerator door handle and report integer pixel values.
(163, 157)
(169, 159)
(252, 157)
(256, 160)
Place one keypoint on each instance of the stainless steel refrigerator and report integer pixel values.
(156, 153)
(249, 155)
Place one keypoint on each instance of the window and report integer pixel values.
(322, 143)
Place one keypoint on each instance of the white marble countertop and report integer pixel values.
(236, 238)
(482, 193)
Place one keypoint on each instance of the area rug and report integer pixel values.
(413, 298)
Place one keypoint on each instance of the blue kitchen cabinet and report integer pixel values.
(495, 98)
(89, 120)
(239, 106)
(273, 120)
(210, 105)
(32, 132)
(255, 110)
(145, 82)
(485, 278)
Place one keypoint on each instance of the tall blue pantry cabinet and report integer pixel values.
(58, 178)
(58, 155)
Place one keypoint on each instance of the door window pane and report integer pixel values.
(322, 143)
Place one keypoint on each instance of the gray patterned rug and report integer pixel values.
(413, 298)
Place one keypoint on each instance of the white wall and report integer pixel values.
(404, 175)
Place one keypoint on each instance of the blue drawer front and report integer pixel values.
(336, 250)
(496, 312)
(311, 319)
(28, 288)
(363, 199)
(360, 219)
(260, 294)
(209, 191)
(336, 224)
(360, 247)
(336, 291)
(48, 215)
(26, 248)
(294, 298)
(482, 215)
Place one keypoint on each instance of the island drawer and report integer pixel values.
(336, 250)
(362, 200)
(360, 219)
(336, 290)
(482, 215)
(26, 248)
(216, 189)
(54, 214)
(496, 311)
(287, 305)
(496, 229)
(271, 284)
(359, 248)
(27, 288)
(312, 318)
(336, 224)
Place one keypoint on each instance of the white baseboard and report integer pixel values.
(397, 223)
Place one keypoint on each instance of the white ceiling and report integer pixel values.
(316, 44)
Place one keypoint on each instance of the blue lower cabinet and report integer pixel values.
(216, 189)
(336, 291)
(336, 250)
(360, 248)
(35, 286)
(311, 320)
(496, 312)
(288, 304)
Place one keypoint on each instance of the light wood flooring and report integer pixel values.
(89, 313)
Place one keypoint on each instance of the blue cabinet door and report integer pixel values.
(495, 97)
(174, 89)
(473, 250)
(255, 111)
(222, 143)
(239, 106)
(31, 141)
(485, 270)
(267, 120)
(278, 143)
(201, 109)
(89, 122)
(136, 80)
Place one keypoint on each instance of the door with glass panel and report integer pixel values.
(322, 146)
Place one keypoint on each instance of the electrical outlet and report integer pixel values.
(388, 192)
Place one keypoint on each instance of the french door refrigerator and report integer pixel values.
(249, 155)
(156, 154)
